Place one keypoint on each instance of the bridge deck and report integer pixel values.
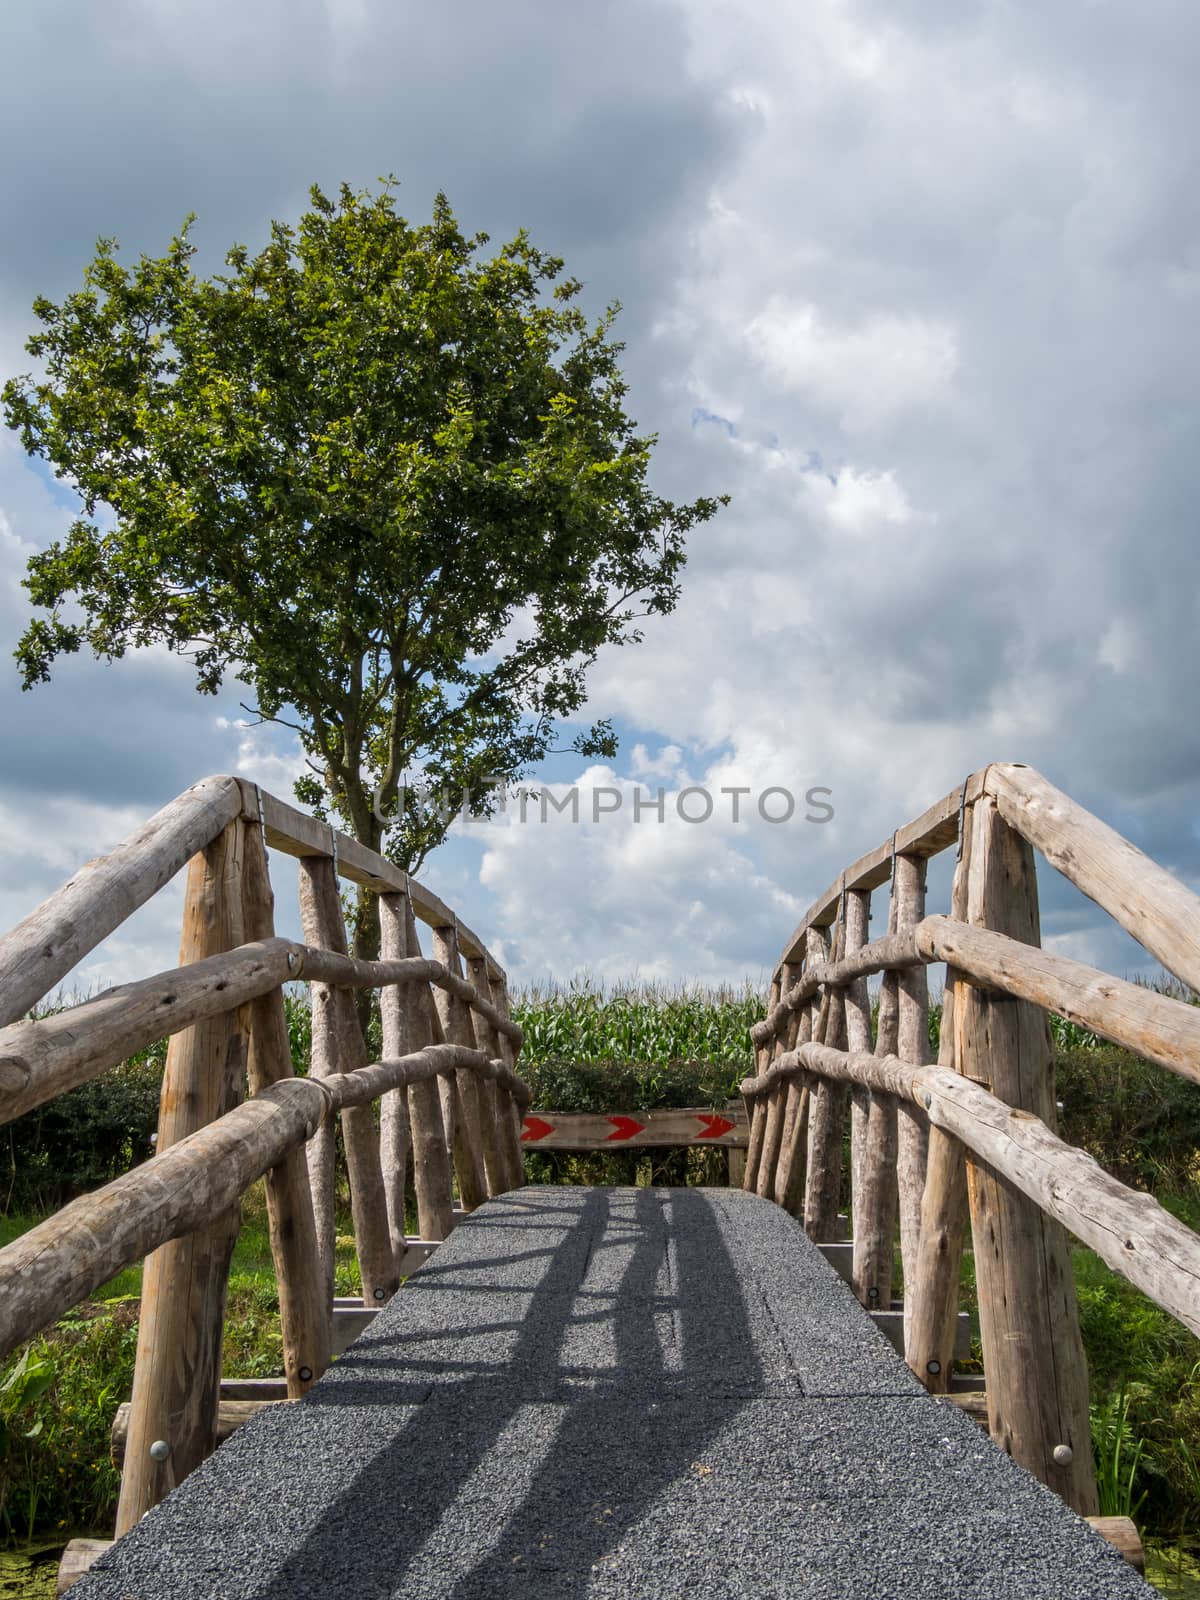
(615, 1393)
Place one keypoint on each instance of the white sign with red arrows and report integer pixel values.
(562, 1130)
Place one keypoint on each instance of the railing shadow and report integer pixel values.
(584, 1446)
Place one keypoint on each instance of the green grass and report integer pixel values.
(59, 1395)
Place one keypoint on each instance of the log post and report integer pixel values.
(826, 1117)
(511, 1115)
(495, 1152)
(912, 1044)
(872, 1130)
(789, 1175)
(457, 1028)
(177, 1376)
(338, 1046)
(395, 1133)
(1028, 1317)
(431, 1159)
(304, 1313)
(776, 1097)
(931, 1298)
(756, 1105)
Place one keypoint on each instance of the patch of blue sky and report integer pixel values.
(703, 418)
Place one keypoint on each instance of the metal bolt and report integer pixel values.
(159, 1450)
(933, 1368)
(379, 1294)
(872, 1293)
(305, 1374)
(1063, 1455)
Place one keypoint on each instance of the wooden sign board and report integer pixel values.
(563, 1130)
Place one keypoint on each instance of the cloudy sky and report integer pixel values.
(916, 284)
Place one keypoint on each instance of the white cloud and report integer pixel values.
(865, 374)
(935, 265)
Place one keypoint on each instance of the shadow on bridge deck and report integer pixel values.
(623, 1392)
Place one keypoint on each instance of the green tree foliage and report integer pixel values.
(386, 482)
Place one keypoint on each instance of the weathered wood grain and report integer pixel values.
(1161, 913)
(431, 1156)
(929, 834)
(341, 1046)
(912, 1044)
(186, 1187)
(177, 1372)
(297, 834)
(395, 1132)
(44, 947)
(42, 1059)
(303, 1310)
(1028, 1317)
(457, 1029)
(1128, 1230)
(1153, 1025)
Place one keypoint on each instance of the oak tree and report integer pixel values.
(386, 481)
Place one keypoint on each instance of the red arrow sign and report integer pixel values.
(535, 1128)
(625, 1128)
(714, 1125)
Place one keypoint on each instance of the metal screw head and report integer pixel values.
(1063, 1455)
(379, 1294)
(305, 1374)
(159, 1450)
(933, 1368)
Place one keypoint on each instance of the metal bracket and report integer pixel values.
(262, 821)
(334, 848)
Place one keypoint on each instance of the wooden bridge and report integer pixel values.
(625, 1392)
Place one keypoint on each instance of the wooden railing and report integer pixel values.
(446, 1087)
(975, 1132)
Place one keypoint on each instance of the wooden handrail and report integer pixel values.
(1026, 1186)
(186, 1186)
(1156, 1026)
(1161, 913)
(65, 928)
(70, 923)
(929, 834)
(45, 1058)
(1130, 1231)
(295, 833)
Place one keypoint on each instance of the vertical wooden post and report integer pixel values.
(321, 917)
(511, 1114)
(304, 1312)
(776, 1097)
(826, 1118)
(395, 1134)
(912, 1044)
(456, 1025)
(177, 1377)
(756, 1107)
(872, 1131)
(495, 1153)
(931, 1298)
(431, 1159)
(1028, 1317)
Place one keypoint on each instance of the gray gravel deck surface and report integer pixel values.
(615, 1393)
